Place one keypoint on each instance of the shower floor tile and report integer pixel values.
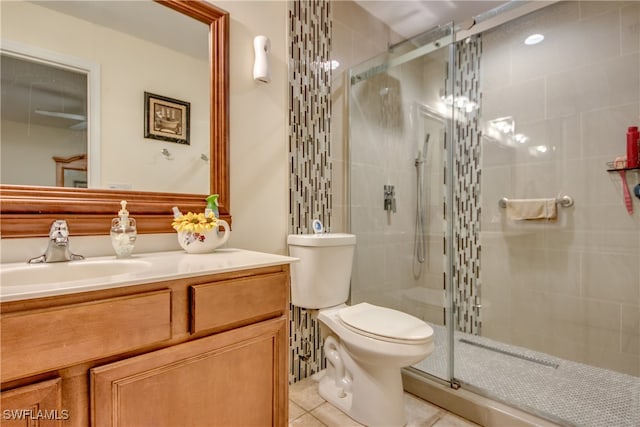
(565, 392)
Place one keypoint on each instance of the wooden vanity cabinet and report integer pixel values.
(203, 351)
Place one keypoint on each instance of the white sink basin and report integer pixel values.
(22, 281)
(31, 274)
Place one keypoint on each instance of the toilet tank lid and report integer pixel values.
(322, 239)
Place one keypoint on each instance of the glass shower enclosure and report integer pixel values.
(444, 134)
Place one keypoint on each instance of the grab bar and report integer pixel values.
(564, 201)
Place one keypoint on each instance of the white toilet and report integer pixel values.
(365, 345)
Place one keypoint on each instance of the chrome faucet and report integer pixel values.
(58, 248)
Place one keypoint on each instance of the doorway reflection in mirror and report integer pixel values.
(43, 116)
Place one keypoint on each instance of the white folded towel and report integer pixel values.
(531, 209)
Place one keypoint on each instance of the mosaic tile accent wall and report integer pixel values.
(310, 165)
(466, 193)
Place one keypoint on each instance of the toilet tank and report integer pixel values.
(322, 276)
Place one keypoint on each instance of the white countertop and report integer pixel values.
(17, 281)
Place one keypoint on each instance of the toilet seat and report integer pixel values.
(385, 324)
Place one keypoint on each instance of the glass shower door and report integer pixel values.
(400, 119)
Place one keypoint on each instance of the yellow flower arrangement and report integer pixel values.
(195, 223)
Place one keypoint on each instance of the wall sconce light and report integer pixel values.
(261, 48)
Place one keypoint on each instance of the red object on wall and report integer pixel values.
(632, 147)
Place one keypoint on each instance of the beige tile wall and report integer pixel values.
(573, 288)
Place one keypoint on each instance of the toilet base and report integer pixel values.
(332, 394)
(371, 395)
(384, 408)
(363, 377)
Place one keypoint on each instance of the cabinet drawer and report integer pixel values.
(232, 303)
(42, 340)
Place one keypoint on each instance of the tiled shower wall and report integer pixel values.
(467, 173)
(309, 114)
(310, 188)
(569, 288)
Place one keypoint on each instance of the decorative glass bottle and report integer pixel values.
(123, 232)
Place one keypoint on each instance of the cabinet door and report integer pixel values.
(35, 405)
(235, 378)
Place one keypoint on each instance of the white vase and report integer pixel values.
(203, 243)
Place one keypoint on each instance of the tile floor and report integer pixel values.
(308, 409)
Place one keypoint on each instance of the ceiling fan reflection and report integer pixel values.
(68, 116)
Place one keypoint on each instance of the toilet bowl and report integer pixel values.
(365, 345)
(363, 377)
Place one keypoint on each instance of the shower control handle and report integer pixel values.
(389, 198)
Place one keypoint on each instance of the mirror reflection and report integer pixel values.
(44, 118)
(51, 111)
(71, 171)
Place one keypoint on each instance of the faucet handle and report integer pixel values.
(58, 248)
(390, 198)
(59, 229)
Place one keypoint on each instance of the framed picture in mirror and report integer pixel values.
(166, 119)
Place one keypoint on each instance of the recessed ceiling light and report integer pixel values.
(533, 39)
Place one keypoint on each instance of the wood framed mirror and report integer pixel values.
(27, 211)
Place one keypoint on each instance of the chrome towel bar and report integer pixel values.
(564, 201)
